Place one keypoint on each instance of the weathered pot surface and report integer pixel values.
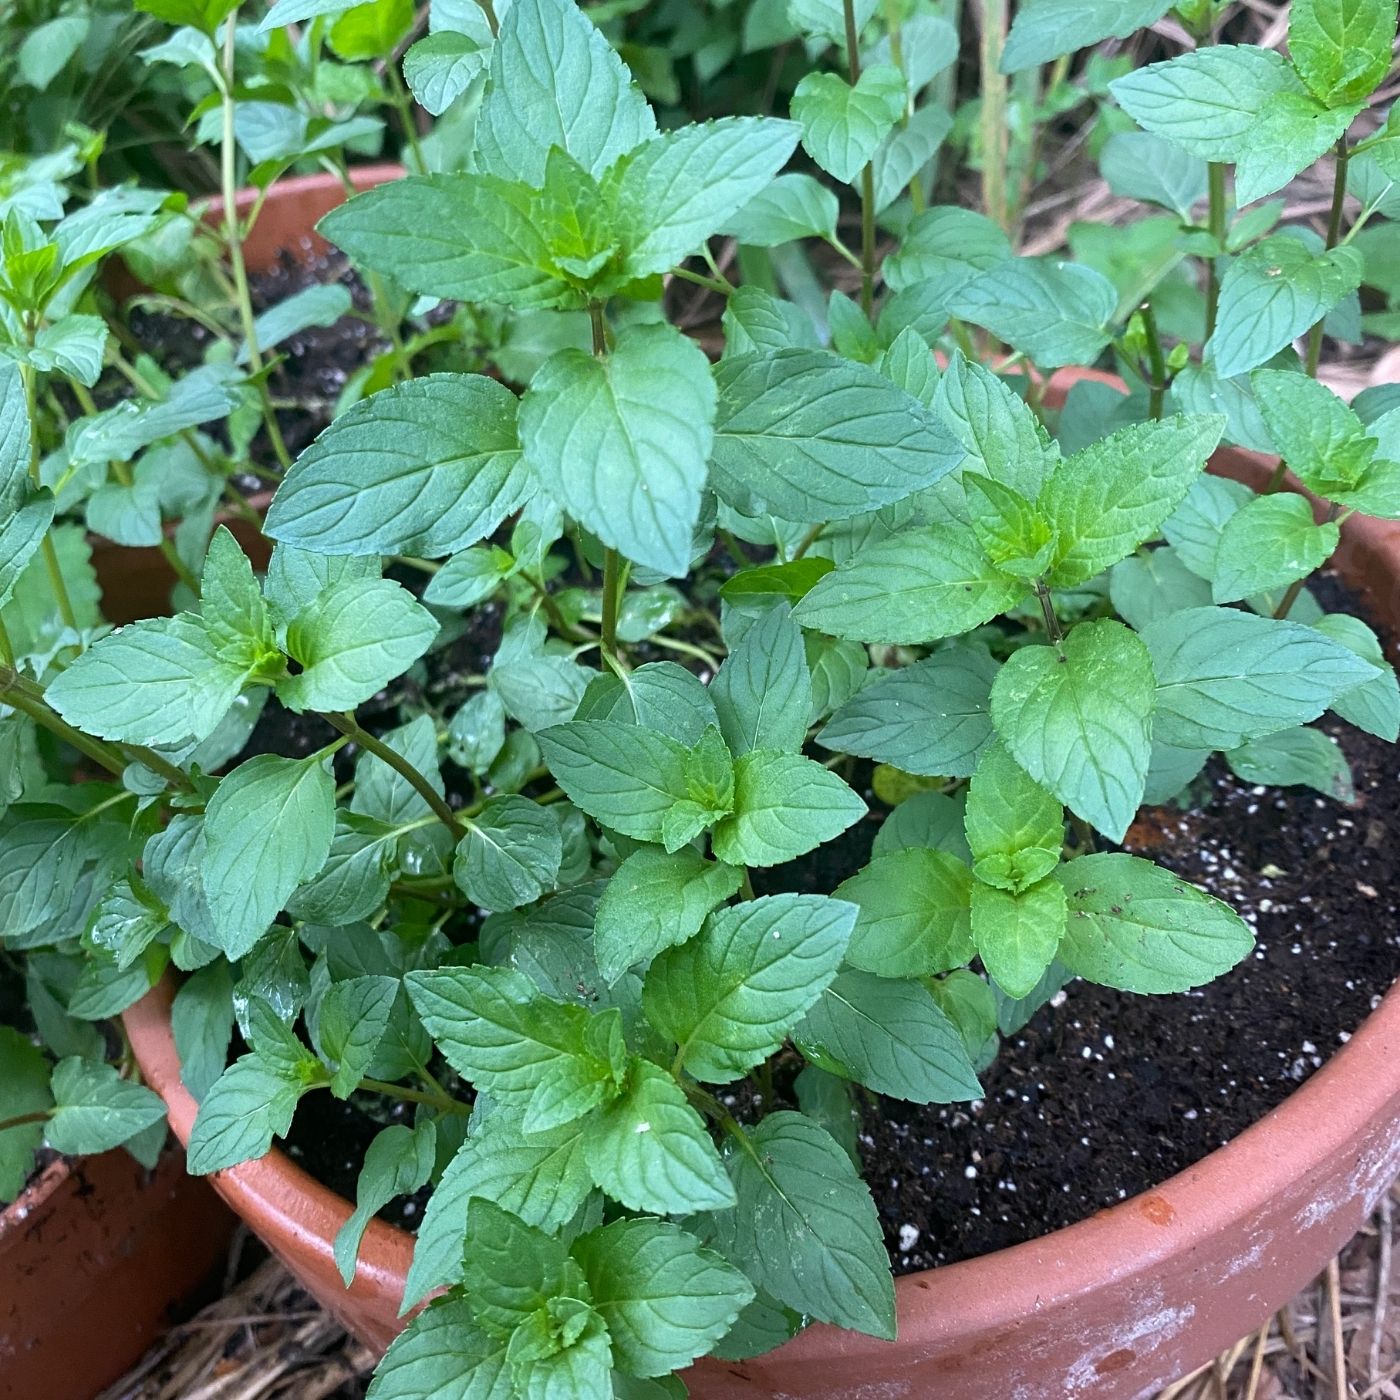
(1113, 1307)
(97, 1258)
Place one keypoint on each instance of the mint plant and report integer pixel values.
(593, 934)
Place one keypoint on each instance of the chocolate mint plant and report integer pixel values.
(564, 930)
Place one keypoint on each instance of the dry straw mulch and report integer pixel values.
(1337, 1340)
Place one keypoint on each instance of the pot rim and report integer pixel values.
(40, 1187)
(1296, 1139)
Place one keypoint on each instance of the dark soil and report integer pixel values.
(312, 366)
(1105, 1094)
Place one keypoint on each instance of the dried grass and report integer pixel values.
(1339, 1339)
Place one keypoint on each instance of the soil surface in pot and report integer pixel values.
(313, 365)
(1104, 1094)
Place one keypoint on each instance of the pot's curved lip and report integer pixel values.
(15, 1216)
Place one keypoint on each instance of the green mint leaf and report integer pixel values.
(1017, 934)
(843, 126)
(21, 535)
(1109, 498)
(320, 305)
(443, 1353)
(891, 1037)
(510, 855)
(201, 1018)
(511, 1269)
(658, 695)
(763, 691)
(120, 432)
(622, 442)
(931, 718)
(1151, 168)
(1003, 438)
(914, 913)
(354, 1015)
(784, 806)
(625, 776)
(679, 188)
(412, 231)
(354, 881)
(267, 829)
(709, 773)
(24, 1089)
(495, 1028)
(383, 792)
(1375, 705)
(127, 921)
(440, 68)
(1152, 585)
(1225, 676)
(397, 1162)
(541, 1177)
(1138, 927)
(1295, 758)
(664, 1297)
(563, 1349)
(470, 577)
(730, 995)
(806, 1227)
(654, 901)
(556, 82)
(1009, 815)
(95, 1110)
(909, 365)
(946, 247)
(1078, 719)
(825, 19)
(907, 149)
(925, 819)
(754, 322)
(1046, 29)
(917, 586)
(251, 1103)
(72, 345)
(351, 642)
(1271, 294)
(1290, 133)
(297, 577)
(1269, 543)
(162, 681)
(1194, 528)
(432, 466)
(231, 603)
(1323, 441)
(1341, 48)
(810, 437)
(576, 1085)
(786, 209)
(1017, 536)
(1057, 313)
(1206, 101)
(651, 1150)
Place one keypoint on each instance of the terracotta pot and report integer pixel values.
(136, 582)
(97, 1258)
(1111, 1308)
